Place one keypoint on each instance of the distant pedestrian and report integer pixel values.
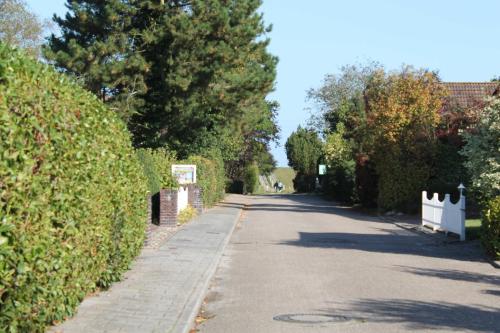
(276, 186)
(280, 186)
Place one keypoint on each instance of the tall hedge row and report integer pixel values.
(210, 177)
(490, 227)
(157, 167)
(157, 164)
(72, 195)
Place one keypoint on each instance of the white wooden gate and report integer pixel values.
(444, 215)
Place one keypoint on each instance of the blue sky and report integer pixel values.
(457, 38)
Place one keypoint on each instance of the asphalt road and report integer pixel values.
(297, 264)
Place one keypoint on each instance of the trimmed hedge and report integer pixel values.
(72, 195)
(157, 166)
(210, 177)
(251, 178)
(490, 227)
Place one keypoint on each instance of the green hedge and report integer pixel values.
(340, 183)
(157, 166)
(490, 227)
(72, 195)
(210, 177)
(251, 178)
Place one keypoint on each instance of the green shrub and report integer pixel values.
(490, 227)
(210, 177)
(186, 215)
(72, 195)
(304, 183)
(251, 178)
(366, 182)
(400, 183)
(157, 166)
(154, 181)
(482, 153)
(339, 182)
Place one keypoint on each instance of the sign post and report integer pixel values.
(184, 173)
(322, 169)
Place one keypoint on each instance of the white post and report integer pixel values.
(461, 188)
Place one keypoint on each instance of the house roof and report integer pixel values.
(470, 94)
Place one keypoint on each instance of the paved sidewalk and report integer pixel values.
(165, 287)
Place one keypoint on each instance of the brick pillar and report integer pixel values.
(194, 197)
(168, 207)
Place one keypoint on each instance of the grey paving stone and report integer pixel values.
(165, 287)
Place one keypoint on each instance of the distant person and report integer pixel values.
(280, 186)
(276, 186)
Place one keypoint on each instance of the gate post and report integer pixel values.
(461, 188)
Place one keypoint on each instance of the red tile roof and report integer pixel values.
(470, 94)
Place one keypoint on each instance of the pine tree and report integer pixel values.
(100, 45)
(210, 75)
(200, 68)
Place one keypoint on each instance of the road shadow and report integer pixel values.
(305, 203)
(492, 292)
(382, 240)
(456, 275)
(420, 315)
(396, 242)
(230, 205)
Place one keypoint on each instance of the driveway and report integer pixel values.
(298, 264)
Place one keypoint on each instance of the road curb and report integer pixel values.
(417, 229)
(436, 237)
(495, 263)
(192, 307)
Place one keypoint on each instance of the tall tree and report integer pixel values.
(210, 72)
(340, 98)
(340, 115)
(100, 44)
(196, 73)
(303, 150)
(20, 27)
(402, 114)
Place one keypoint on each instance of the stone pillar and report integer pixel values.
(194, 197)
(168, 207)
(149, 218)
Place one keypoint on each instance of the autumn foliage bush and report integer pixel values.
(72, 195)
(402, 113)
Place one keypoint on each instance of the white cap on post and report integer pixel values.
(461, 188)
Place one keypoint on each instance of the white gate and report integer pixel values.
(444, 215)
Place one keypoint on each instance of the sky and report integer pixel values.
(457, 38)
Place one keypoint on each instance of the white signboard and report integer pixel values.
(184, 173)
(322, 169)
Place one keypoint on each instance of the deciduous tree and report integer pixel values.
(402, 111)
(20, 27)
